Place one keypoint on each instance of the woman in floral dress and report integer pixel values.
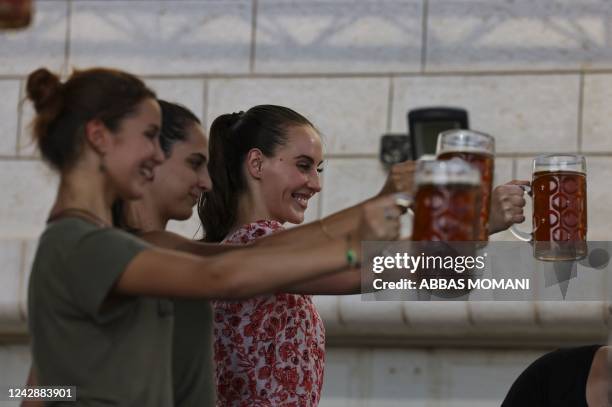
(265, 165)
(269, 350)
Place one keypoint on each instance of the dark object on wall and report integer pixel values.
(394, 148)
(425, 124)
(15, 14)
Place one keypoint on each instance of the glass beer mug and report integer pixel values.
(559, 193)
(478, 149)
(446, 202)
(446, 222)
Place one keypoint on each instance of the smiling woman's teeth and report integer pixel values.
(146, 172)
(302, 199)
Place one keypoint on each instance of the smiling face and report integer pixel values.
(291, 177)
(133, 151)
(183, 177)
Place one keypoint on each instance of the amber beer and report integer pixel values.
(559, 192)
(446, 201)
(15, 13)
(446, 212)
(446, 209)
(477, 149)
(559, 214)
(484, 164)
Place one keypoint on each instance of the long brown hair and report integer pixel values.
(63, 109)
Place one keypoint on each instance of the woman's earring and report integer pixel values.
(102, 165)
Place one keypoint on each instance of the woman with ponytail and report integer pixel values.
(97, 311)
(265, 163)
(233, 136)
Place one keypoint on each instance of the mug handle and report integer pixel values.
(519, 234)
(404, 200)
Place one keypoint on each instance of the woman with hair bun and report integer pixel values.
(178, 183)
(96, 306)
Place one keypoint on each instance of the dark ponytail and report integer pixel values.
(232, 136)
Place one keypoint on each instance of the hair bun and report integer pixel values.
(42, 88)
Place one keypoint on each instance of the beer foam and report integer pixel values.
(443, 172)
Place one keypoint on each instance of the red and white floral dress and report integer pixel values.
(269, 350)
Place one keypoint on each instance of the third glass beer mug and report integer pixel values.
(477, 149)
(446, 202)
(559, 193)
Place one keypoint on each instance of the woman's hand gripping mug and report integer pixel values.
(559, 193)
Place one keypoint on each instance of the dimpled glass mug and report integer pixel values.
(478, 149)
(559, 193)
(446, 201)
(446, 221)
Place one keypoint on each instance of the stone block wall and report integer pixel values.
(536, 75)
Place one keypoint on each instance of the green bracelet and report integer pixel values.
(351, 258)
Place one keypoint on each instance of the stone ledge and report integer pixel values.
(350, 321)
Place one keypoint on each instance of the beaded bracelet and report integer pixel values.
(351, 255)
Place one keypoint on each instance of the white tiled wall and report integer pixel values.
(596, 124)
(188, 92)
(385, 377)
(159, 37)
(348, 36)
(523, 112)
(349, 181)
(421, 377)
(351, 113)
(536, 75)
(8, 125)
(501, 35)
(42, 44)
(15, 362)
(28, 190)
(11, 252)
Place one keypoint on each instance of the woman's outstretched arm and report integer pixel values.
(261, 268)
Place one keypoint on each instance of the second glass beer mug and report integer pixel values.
(446, 202)
(478, 149)
(559, 193)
